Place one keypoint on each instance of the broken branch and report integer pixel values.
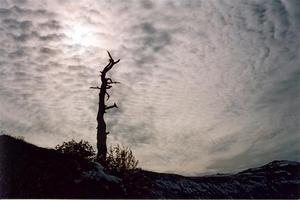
(107, 95)
(98, 88)
(109, 107)
(109, 81)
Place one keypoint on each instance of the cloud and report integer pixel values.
(206, 86)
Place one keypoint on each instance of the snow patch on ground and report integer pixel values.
(181, 185)
(98, 174)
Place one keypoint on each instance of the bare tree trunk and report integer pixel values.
(106, 84)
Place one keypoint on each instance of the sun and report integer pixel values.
(80, 34)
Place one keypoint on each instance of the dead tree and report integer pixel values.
(106, 84)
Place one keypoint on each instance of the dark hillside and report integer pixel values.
(28, 171)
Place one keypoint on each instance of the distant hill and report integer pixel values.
(278, 179)
(28, 171)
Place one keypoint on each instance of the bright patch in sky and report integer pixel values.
(80, 35)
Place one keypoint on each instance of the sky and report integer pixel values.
(206, 86)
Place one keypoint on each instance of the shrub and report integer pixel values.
(81, 148)
(22, 138)
(120, 160)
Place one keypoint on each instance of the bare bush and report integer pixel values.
(120, 160)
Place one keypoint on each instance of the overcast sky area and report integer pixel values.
(206, 86)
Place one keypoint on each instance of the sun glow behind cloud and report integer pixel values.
(82, 35)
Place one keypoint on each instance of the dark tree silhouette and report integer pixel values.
(106, 84)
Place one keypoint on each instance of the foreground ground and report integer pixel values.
(28, 171)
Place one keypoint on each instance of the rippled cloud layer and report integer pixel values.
(207, 86)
